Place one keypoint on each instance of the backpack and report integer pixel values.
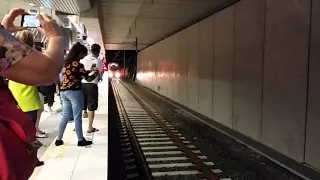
(18, 146)
(47, 90)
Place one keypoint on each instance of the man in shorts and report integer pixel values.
(90, 89)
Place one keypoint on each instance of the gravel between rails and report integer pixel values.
(167, 157)
(236, 160)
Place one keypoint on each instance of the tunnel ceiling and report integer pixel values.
(150, 20)
(67, 6)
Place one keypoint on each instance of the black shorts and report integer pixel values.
(32, 115)
(90, 96)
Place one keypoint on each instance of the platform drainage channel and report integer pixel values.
(165, 151)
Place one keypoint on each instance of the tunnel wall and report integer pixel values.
(247, 67)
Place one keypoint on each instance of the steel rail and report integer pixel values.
(147, 172)
(192, 156)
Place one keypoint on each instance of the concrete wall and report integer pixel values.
(247, 67)
(313, 116)
(92, 23)
(285, 76)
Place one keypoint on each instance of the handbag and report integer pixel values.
(18, 145)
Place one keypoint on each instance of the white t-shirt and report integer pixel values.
(89, 61)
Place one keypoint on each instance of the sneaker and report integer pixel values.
(59, 110)
(59, 142)
(40, 135)
(41, 132)
(85, 115)
(84, 142)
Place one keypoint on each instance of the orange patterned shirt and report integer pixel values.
(73, 73)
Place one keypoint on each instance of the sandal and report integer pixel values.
(93, 130)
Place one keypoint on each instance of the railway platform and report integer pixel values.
(70, 162)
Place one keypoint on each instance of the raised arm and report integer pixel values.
(26, 65)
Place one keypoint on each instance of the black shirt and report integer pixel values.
(73, 73)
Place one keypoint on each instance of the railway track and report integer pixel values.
(154, 149)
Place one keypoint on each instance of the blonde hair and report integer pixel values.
(25, 36)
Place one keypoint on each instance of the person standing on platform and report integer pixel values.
(22, 64)
(90, 89)
(49, 95)
(40, 133)
(27, 96)
(71, 92)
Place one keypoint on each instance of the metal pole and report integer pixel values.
(124, 59)
(137, 46)
(136, 62)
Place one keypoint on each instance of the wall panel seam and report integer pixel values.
(187, 67)
(233, 64)
(198, 66)
(307, 82)
(263, 66)
(213, 46)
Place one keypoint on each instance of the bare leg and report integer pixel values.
(39, 163)
(39, 133)
(91, 118)
(50, 109)
(38, 119)
(50, 102)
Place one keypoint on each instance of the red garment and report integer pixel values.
(17, 139)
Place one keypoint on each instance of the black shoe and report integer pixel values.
(39, 163)
(59, 142)
(84, 142)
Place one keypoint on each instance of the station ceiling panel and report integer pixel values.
(150, 20)
(67, 6)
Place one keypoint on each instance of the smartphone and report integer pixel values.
(30, 21)
(91, 73)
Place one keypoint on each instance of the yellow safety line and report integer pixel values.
(65, 147)
(50, 150)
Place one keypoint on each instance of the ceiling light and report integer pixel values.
(41, 7)
(31, 4)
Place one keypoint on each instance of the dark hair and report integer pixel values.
(74, 53)
(95, 49)
(3, 51)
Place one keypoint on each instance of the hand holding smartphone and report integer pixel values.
(94, 66)
(91, 73)
(30, 21)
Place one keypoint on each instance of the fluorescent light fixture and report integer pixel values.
(32, 4)
(41, 7)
